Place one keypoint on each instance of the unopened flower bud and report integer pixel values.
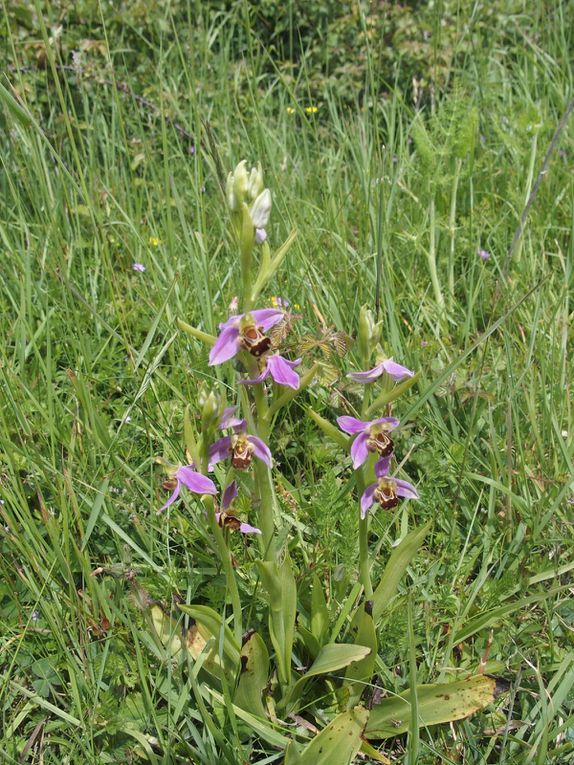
(255, 182)
(240, 182)
(261, 209)
(366, 332)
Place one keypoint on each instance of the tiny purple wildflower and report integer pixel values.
(280, 369)
(388, 366)
(372, 437)
(244, 331)
(138, 267)
(191, 479)
(387, 490)
(483, 254)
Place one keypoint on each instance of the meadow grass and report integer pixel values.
(391, 205)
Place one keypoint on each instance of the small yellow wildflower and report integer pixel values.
(153, 241)
(290, 110)
(275, 301)
(311, 109)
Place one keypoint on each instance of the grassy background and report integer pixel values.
(432, 123)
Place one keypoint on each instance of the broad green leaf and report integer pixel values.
(395, 568)
(166, 629)
(254, 674)
(358, 674)
(210, 625)
(263, 728)
(309, 640)
(437, 703)
(279, 582)
(319, 610)
(338, 743)
(331, 658)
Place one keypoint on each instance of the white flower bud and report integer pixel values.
(261, 209)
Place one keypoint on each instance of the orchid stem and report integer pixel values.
(364, 564)
(225, 557)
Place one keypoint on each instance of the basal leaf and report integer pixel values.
(437, 703)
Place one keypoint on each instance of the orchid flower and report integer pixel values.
(230, 521)
(387, 490)
(396, 371)
(194, 481)
(244, 331)
(241, 447)
(373, 437)
(280, 369)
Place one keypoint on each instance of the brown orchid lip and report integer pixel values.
(386, 493)
(381, 443)
(241, 453)
(254, 341)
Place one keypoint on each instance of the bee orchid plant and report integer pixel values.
(309, 654)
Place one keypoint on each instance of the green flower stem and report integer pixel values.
(225, 558)
(364, 563)
(266, 518)
(267, 507)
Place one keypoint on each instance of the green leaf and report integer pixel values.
(166, 629)
(319, 610)
(263, 728)
(211, 625)
(18, 112)
(253, 677)
(199, 334)
(329, 429)
(437, 703)
(395, 568)
(331, 658)
(279, 582)
(360, 673)
(338, 743)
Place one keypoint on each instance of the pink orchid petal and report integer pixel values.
(359, 451)
(267, 317)
(367, 499)
(260, 449)
(281, 371)
(228, 420)
(368, 375)
(194, 481)
(391, 422)
(245, 528)
(229, 495)
(396, 371)
(218, 451)
(225, 347)
(382, 467)
(406, 489)
(172, 499)
(255, 380)
(351, 425)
